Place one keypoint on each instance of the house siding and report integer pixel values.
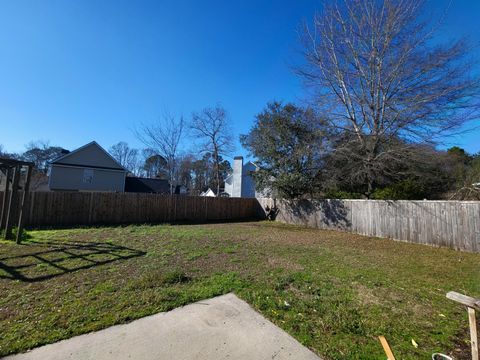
(73, 178)
(237, 177)
(241, 183)
(88, 168)
(229, 185)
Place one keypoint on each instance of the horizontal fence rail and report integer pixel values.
(453, 224)
(95, 208)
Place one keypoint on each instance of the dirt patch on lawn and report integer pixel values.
(278, 262)
(366, 295)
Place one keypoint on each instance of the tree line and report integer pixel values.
(383, 93)
(210, 131)
(298, 157)
(196, 172)
(163, 157)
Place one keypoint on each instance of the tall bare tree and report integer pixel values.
(212, 126)
(163, 137)
(385, 83)
(126, 156)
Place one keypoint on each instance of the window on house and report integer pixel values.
(88, 176)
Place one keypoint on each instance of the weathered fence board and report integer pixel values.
(81, 208)
(454, 224)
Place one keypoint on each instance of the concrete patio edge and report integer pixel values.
(224, 327)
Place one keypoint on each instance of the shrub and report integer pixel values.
(340, 194)
(409, 189)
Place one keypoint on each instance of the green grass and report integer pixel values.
(334, 292)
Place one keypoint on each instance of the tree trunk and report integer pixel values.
(369, 187)
(370, 181)
(217, 172)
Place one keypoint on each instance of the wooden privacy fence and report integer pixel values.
(81, 208)
(454, 224)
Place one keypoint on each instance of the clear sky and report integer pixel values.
(72, 71)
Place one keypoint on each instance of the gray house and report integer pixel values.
(88, 168)
(241, 183)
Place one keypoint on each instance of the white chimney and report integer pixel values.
(237, 176)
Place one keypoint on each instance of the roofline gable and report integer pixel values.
(251, 162)
(94, 143)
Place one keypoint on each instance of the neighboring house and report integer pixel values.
(88, 168)
(208, 193)
(146, 185)
(241, 183)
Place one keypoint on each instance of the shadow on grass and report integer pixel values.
(62, 258)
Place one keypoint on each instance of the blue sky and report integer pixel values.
(72, 71)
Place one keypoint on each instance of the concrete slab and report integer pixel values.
(224, 327)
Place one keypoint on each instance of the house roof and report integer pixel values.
(208, 192)
(101, 159)
(146, 185)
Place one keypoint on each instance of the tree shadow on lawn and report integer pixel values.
(329, 213)
(61, 258)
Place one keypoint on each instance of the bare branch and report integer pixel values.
(212, 126)
(164, 138)
(377, 74)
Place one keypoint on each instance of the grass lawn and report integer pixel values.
(334, 292)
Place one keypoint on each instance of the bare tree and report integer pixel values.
(376, 71)
(212, 126)
(126, 156)
(164, 139)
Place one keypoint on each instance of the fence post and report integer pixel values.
(3, 218)
(206, 208)
(32, 204)
(174, 199)
(471, 305)
(90, 209)
(12, 204)
(23, 206)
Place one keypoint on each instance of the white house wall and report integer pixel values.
(229, 185)
(241, 182)
(237, 177)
